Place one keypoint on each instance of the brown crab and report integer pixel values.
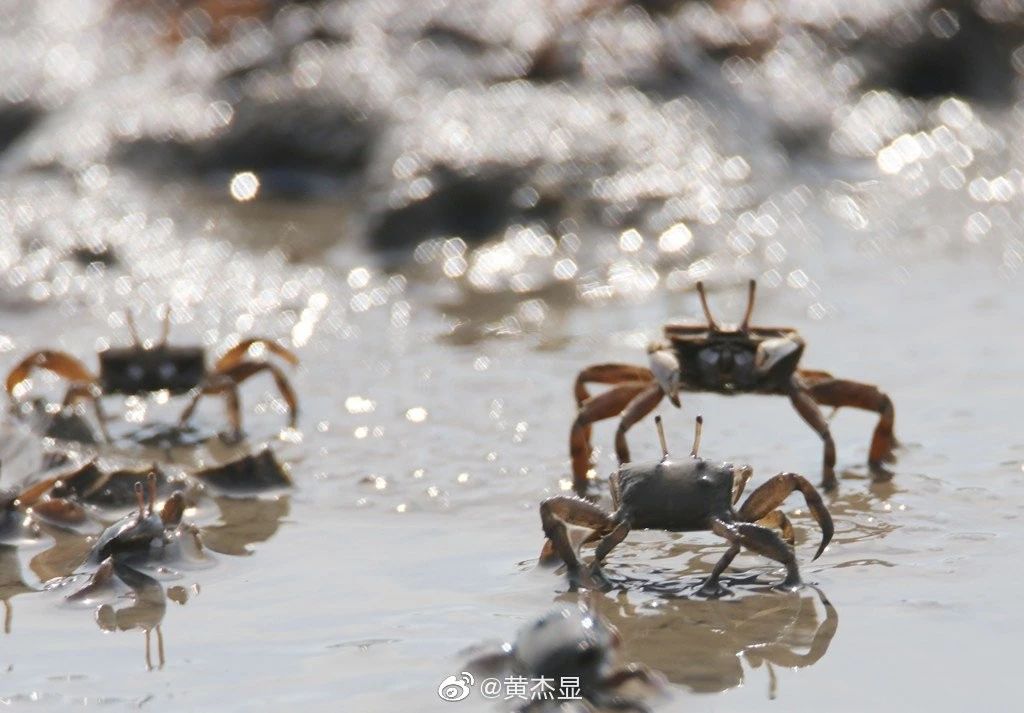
(685, 496)
(726, 360)
(146, 367)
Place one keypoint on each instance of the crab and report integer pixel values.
(684, 496)
(728, 360)
(566, 646)
(246, 474)
(134, 533)
(148, 367)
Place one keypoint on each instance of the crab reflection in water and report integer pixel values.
(703, 644)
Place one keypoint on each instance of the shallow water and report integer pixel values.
(435, 384)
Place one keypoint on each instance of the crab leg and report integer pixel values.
(607, 374)
(239, 353)
(778, 520)
(217, 387)
(606, 545)
(840, 392)
(60, 363)
(772, 493)
(597, 408)
(807, 407)
(89, 392)
(759, 539)
(641, 405)
(226, 381)
(561, 510)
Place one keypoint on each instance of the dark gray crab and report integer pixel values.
(135, 533)
(726, 360)
(146, 367)
(571, 643)
(684, 496)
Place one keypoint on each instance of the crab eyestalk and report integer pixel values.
(129, 320)
(141, 500)
(696, 436)
(152, 491)
(165, 326)
(751, 290)
(661, 437)
(704, 305)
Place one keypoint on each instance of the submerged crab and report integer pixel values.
(681, 496)
(575, 650)
(725, 360)
(145, 367)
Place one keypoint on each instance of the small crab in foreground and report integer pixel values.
(134, 533)
(681, 496)
(726, 360)
(145, 368)
(571, 644)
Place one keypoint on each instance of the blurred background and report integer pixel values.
(447, 208)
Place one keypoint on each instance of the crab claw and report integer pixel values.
(665, 367)
(771, 351)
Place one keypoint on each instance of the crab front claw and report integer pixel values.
(665, 367)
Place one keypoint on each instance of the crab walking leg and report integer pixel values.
(644, 402)
(711, 587)
(247, 369)
(88, 392)
(606, 545)
(217, 387)
(840, 392)
(562, 510)
(60, 363)
(772, 493)
(762, 541)
(240, 353)
(8, 616)
(777, 520)
(597, 408)
(808, 409)
(607, 374)
(225, 383)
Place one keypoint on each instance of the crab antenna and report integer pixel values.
(152, 491)
(751, 289)
(704, 305)
(165, 328)
(129, 320)
(661, 437)
(141, 500)
(696, 436)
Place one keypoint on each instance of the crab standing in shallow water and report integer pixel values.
(682, 496)
(144, 368)
(725, 360)
(574, 644)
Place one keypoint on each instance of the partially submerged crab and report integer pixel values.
(146, 367)
(134, 533)
(571, 644)
(681, 496)
(249, 473)
(726, 360)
